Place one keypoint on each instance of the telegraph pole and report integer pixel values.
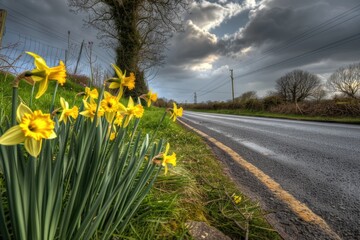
(78, 60)
(3, 14)
(232, 84)
(195, 98)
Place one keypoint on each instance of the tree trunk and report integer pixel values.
(127, 53)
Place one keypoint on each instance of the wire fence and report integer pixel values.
(79, 58)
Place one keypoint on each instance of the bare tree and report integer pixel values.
(346, 80)
(138, 30)
(297, 85)
(246, 96)
(319, 93)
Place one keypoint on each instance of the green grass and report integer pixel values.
(353, 120)
(196, 189)
(67, 91)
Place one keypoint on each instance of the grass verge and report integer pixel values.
(197, 189)
(352, 120)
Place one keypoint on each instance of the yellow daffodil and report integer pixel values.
(119, 119)
(131, 111)
(32, 129)
(176, 112)
(149, 97)
(91, 93)
(110, 105)
(67, 112)
(90, 110)
(168, 159)
(122, 81)
(237, 199)
(42, 74)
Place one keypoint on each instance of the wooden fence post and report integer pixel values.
(2, 23)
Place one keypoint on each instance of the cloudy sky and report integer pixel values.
(259, 40)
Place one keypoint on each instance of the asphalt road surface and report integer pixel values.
(318, 163)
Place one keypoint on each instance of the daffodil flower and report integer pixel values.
(122, 81)
(91, 93)
(131, 111)
(149, 97)
(32, 129)
(90, 110)
(67, 112)
(176, 112)
(119, 119)
(42, 74)
(237, 199)
(168, 159)
(110, 105)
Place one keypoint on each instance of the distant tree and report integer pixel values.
(297, 85)
(346, 80)
(319, 93)
(272, 99)
(138, 30)
(246, 96)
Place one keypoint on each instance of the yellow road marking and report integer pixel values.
(295, 205)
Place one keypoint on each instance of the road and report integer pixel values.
(318, 163)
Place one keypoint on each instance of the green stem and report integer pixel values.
(54, 96)
(14, 105)
(158, 126)
(32, 95)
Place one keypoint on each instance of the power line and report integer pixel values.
(315, 30)
(315, 51)
(305, 35)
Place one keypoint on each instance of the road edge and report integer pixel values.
(297, 207)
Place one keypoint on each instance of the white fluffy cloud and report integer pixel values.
(207, 15)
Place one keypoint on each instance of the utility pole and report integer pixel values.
(3, 14)
(232, 84)
(78, 60)
(195, 98)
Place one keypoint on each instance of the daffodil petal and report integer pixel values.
(12, 136)
(117, 70)
(21, 110)
(64, 104)
(42, 87)
(39, 61)
(172, 159)
(52, 135)
(114, 85)
(33, 147)
(130, 103)
(167, 148)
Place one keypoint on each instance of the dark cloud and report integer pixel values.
(275, 40)
(265, 40)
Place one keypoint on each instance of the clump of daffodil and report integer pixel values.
(32, 129)
(110, 104)
(67, 112)
(131, 111)
(90, 110)
(122, 81)
(176, 112)
(42, 74)
(237, 199)
(149, 97)
(168, 159)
